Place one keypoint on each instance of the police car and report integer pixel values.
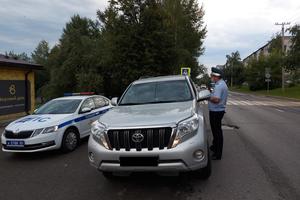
(58, 124)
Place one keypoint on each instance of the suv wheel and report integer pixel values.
(206, 171)
(70, 140)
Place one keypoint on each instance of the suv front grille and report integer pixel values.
(140, 138)
(20, 135)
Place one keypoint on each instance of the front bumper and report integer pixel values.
(41, 142)
(180, 158)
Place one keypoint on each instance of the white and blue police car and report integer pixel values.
(58, 124)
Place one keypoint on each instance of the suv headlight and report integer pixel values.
(98, 133)
(184, 128)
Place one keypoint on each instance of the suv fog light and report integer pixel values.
(91, 157)
(199, 154)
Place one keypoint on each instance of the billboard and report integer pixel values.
(13, 96)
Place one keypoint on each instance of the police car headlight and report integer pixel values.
(99, 135)
(37, 132)
(50, 129)
(185, 128)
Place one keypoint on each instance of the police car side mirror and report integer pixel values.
(203, 95)
(114, 101)
(85, 110)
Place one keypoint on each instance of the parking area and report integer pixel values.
(53, 175)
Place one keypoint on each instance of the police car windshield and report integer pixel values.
(62, 106)
(157, 92)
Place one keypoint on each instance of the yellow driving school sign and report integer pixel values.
(186, 71)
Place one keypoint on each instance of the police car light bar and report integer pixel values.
(78, 93)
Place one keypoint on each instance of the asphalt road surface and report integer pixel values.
(260, 161)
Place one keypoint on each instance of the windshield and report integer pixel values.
(63, 106)
(157, 92)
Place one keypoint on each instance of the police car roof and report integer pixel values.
(160, 78)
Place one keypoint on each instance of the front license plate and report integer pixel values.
(15, 143)
(139, 161)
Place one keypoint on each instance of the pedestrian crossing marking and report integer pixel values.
(232, 102)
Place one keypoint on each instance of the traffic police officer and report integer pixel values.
(216, 106)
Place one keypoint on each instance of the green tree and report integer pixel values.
(255, 71)
(130, 39)
(185, 19)
(148, 38)
(73, 60)
(293, 58)
(234, 71)
(40, 56)
(275, 44)
(273, 60)
(19, 56)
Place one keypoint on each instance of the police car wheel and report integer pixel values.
(70, 140)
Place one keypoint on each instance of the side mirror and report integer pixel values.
(203, 95)
(114, 101)
(85, 110)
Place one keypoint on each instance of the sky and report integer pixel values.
(232, 25)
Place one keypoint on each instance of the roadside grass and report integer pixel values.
(290, 92)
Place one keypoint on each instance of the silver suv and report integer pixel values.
(157, 125)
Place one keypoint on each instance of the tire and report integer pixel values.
(70, 140)
(206, 171)
(108, 175)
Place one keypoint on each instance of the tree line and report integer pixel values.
(253, 73)
(128, 40)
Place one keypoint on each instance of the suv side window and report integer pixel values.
(88, 103)
(100, 102)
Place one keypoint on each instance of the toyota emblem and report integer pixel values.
(137, 137)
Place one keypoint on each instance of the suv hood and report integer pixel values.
(147, 114)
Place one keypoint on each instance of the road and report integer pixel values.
(260, 161)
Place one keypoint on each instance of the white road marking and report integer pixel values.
(247, 103)
(274, 103)
(279, 110)
(262, 103)
(259, 103)
(230, 102)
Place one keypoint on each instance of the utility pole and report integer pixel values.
(283, 50)
(231, 72)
